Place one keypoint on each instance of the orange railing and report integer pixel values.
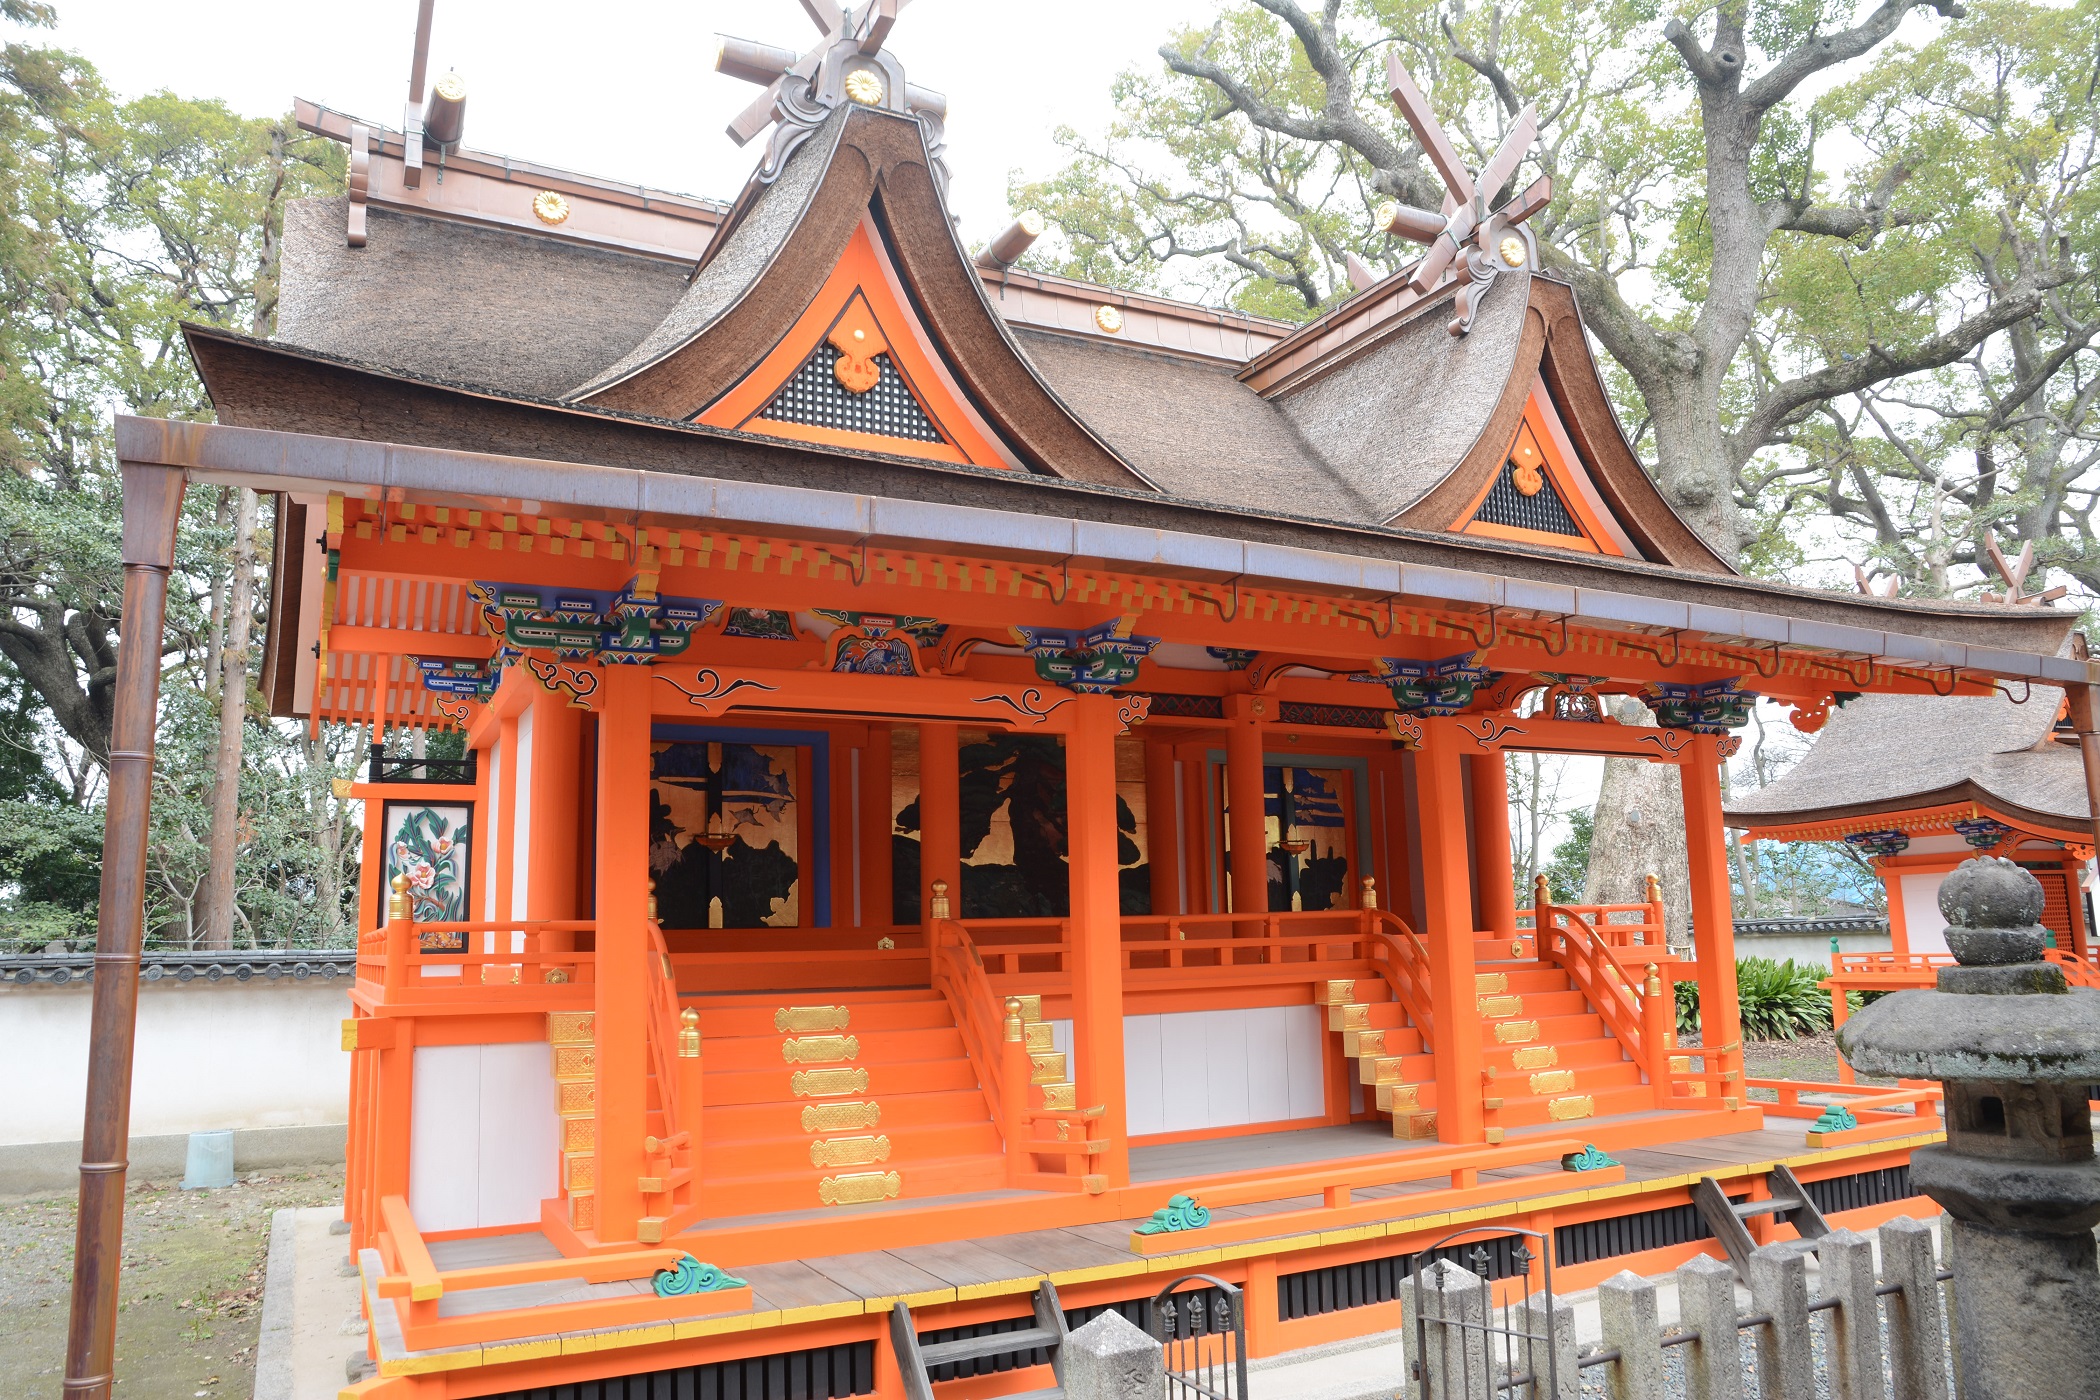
(1912, 1107)
(1404, 960)
(994, 1037)
(456, 960)
(413, 1287)
(670, 1176)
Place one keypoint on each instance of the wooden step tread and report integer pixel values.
(992, 1344)
(1775, 1205)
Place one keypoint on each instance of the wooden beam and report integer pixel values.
(1096, 938)
(1447, 926)
(1246, 802)
(622, 989)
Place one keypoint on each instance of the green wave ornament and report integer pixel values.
(691, 1276)
(1179, 1213)
(1587, 1160)
(1836, 1119)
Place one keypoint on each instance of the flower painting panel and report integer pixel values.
(429, 843)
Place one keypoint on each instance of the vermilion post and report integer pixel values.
(1162, 835)
(1246, 803)
(152, 509)
(1447, 927)
(940, 817)
(877, 820)
(1491, 855)
(623, 971)
(1096, 946)
(1713, 917)
(2082, 721)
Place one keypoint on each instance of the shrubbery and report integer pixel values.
(1778, 1000)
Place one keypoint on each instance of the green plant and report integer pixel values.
(1776, 1000)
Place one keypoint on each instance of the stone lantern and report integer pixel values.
(2015, 1047)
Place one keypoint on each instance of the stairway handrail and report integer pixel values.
(959, 976)
(1397, 948)
(1586, 957)
(663, 1028)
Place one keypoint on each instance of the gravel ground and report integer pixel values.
(190, 1305)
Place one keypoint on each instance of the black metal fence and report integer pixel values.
(1201, 1323)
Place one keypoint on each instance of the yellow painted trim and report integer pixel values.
(429, 1363)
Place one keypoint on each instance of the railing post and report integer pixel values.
(1014, 1084)
(1627, 1312)
(1855, 1333)
(1658, 1031)
(1785, 1348)
(1655, 919)
(690, 1090)
(397, 933)
(1713, 1366)
(1917, 1363)
(1541, 916)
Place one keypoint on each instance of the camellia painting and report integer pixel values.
(428, 843)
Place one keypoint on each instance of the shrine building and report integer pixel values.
(948, 787)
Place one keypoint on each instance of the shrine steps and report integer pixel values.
(848, 1097)
(1547, 1057)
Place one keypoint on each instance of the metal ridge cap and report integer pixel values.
(271, 454)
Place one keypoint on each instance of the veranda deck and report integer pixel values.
(816, 1302)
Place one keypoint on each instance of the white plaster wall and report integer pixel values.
(258, 1054)
(492, 829)
(1923, 923)
(483, 1135)
(521, 832)
(1191, 1070)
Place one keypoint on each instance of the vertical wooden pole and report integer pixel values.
(1491, 854)
(1246, 805)
(805, 837)
(622, 988)
(940, 818)
(1162, 829)
(877, 821)
(550, 879)
(1096, 947)
(501, 866)
(1713, 914)
(1447, 927)
(152, 509)
(1198, 825)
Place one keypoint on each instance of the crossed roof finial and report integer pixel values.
(847, 64)
(1481, 240)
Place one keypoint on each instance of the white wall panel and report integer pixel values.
(520, 838)
(1143, 1076)
(1923, 923)
(444, 1156)
(1195, 1070)
(483, 1143)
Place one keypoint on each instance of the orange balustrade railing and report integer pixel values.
(1641, 1016)
(670, 1177)
(456, 960)
(1912, 1107)
(1403, 959)
(415, 1288)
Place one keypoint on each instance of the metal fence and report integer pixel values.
(1201, 1324)
(1862, 1337)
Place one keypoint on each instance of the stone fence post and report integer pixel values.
(1111, 1358)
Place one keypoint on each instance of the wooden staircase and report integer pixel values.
(841, 1099)
(1390, 1060)
(916, 1362)
(572, 1035)
(1785, 1197)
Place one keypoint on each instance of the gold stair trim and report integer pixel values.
(650, 1229)
(849, 1151)
(860, 1188)
(1493, 1007)
(578, 1099)
(1516, 1032)
(1680, 1064)
(1039, 1035)
(1577, 1106)
(799, 1019)
(583, 1211)
(571, 1027)
(1031, 1006)
(839, 1117)
(1354, 1017)
(579, 1134)
(827, 1083)
(1553, 1081)
(1047, 1067)
(1357, 1044)
(1399, 1098)
(1061, 1098)
(1414, 1127)
(1338, 993)
(579, 1172)
(575, 1062)
(1485, 983)
(820, 1049)
(1535, 1057)
(1385, 1069)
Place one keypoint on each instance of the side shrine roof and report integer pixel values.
(1888, 754)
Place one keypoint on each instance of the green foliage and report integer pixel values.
(1571, 860)
(1777, 1000)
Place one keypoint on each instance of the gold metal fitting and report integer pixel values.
(689, 1034)
(1653, 986)
(1370, 892)
(397, 902)
(652, 901)
(1013, 1020)
(939, 906)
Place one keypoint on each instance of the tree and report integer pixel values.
(1690, 198)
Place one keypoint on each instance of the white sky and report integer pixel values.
(627, 88)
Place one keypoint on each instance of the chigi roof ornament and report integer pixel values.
(1482, 241)
(847, 65)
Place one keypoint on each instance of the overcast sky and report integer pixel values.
(627, 88)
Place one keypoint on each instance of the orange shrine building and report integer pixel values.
(968, 778)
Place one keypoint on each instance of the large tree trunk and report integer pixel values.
(1640, 832)
(233, 717)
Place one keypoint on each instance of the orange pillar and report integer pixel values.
(623, 945)
(550, 879)
(1246, 802)
(1491, 857)
(1447, 927)
(1095, 950)
(940, 817)
(1713, 913)
(1163, 829)
(877, 821)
